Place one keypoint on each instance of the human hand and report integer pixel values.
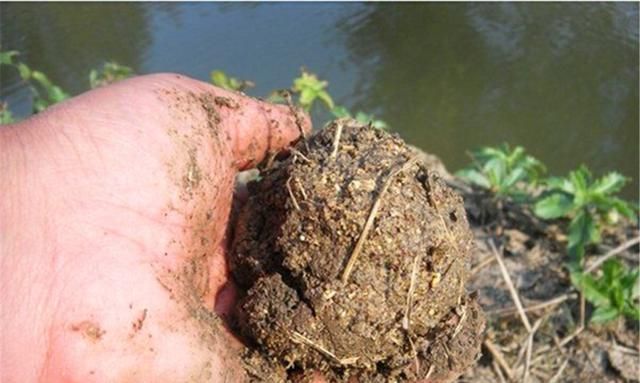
(113, 231)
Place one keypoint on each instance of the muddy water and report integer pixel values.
(560, 79)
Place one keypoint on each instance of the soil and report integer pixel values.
(353, 254)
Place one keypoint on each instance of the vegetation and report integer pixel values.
(45, 93)
(219, 78)
(587, 204)
(614, 293)
(110, 72)
(503, 171)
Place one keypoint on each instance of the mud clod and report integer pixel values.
(354, 256)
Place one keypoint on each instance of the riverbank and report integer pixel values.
(520, 260)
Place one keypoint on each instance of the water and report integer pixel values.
(559, 79)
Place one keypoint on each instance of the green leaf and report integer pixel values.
(560, 183)
(39, 105)
(340, 112)
(590, 288)
(617, 297)
(307, 96)
(632, 311)
(580, 178)
(110, 73)
(6, 57)
(56, 94)
(610, 183)
(6, 117)
(324, 96)
(604, 314)
(518, 174)
(42, 79)
(583, 229)
(553, 206)
(629, 280)
(475, 177)
(234, 83)
(220, 79)
(612, 271)
(379, 124)
(624, 208)
(25, 72)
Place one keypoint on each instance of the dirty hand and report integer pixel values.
(113, 222)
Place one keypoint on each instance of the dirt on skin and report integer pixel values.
(354, 255)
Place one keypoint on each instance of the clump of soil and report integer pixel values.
(354, 257)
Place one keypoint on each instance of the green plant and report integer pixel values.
(221, 79)
(310, 88)
(613, 294)
(45, 93)
(588, 203)
(5, 114)
(110, 72)
(342, 112)
(503, 171)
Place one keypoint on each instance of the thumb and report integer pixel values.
(255, 128)
(258, 129)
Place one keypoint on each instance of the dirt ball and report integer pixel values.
(354, 257)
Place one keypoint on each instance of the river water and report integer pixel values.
(560, 79)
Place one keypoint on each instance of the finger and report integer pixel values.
(255, 129)
(259, 129)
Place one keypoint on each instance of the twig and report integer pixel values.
(498, 371)
(512, 289)
(415, 354)
(302, 191)
(296, 115)
(293, 197)
(538, 306)
(430, 371)
(527, 363)
(497, 356)
(460, 322)
(569, 338)
(612, 253)
(411, 292)
(482, 264)
(299, 338)
(372, 215)
(336, 139)
(296, 152)
(556, 377)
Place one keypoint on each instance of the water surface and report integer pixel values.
(560, 79)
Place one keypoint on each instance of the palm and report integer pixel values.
(120, 279)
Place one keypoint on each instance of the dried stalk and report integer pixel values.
(497, 356)
(512, 289)
(594, 266)
(299, 338)
(372, 215)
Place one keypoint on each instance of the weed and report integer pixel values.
(45, 93)
(5, 114)
(311, 89)
(221, 79)
(503, 171)
(588, 203)
(614, 293)
(110, 72)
